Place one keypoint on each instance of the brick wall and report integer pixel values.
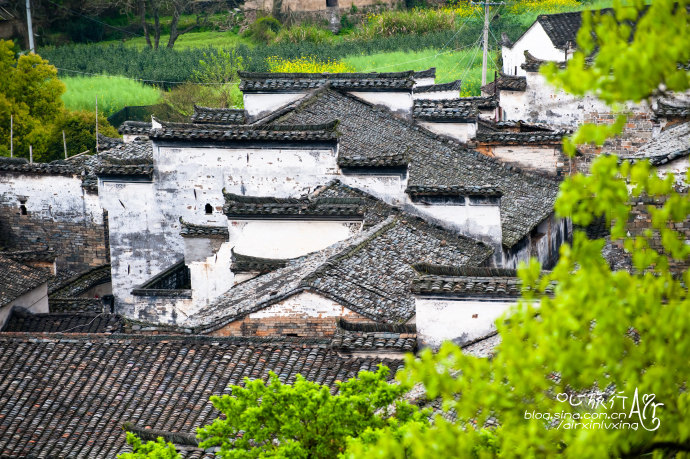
(78, 245)
(304, 327)
(637, 132)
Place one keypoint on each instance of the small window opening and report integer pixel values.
(22, 209)
(515, 70)
(209, 209)
(331, 2)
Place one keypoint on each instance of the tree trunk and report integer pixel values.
(157, 25)
(144, 25)
(173, 28)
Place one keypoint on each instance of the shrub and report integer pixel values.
(416, 21)
(308, 64)
(263, 30)
(304, 33)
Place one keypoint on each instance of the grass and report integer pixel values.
(114, 93)
(463, 65)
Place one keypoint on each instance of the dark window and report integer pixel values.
(22, 209)
(484, 201)
(331, 2)
(515, 70)
(439, 200)
(209, 209)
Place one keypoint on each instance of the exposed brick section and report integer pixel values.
(303, 327)
(78, 246)
(636, 133)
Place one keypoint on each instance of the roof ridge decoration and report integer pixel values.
(307, 206)
(532, 64)
(506, 83)
(453, 190)
(266, 82)
(520, 138)
(196, 230)
(210, 115)
(131, 127)
(453, 110)
(438, 87)
(248, 263)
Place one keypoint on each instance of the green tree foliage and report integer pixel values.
(304, 420)
(614, 331)
(30, 96)
(158, 449)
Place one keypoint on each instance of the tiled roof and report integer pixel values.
(106, 143)
(672, 143)
(451, 86)
(443, 190)
(532, 64)
(428, 73)
(506, 83)
(457, 110)
(489, 126)
(520, 138)
(21, 165)
(145, 170)
(69, 397)
(71, 304)
(483, 347)
(366, 337)
(21, 256)
(562, 27)
(17, 279)
(237, 206)
(384, 161)
(368, 273)
(193, 230)
(79, 322)
(135, 128)
(80, 283)
(298, 82)
(466, 282)
(372, 132)
(203, 115)
(674, 109)
(246, 263)
(325, 132)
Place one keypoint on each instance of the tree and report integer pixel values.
(31, 105)
(300, 420)
(159, 449)
(304, 420)
(604, 335)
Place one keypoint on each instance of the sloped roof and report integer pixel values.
(130, 127)
(298, 82)
(321, 132)
(204, 115)
(80, 283)
(370, 132)
(369, 273)
(193, 230)
(506, 83)
(70, 322)
(69, 397)
(672, 143)
(451, 86)
(672, 109)
(238, 206)
(455, 110)
(17, 279)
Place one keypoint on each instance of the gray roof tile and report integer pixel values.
(17, 279)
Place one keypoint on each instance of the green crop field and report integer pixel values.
(465, 65)
(113, 93)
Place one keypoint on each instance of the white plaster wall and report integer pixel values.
(287, 239)
(305, 304)
(424, 81)
(457, 320)
(389, 188)
(262, 104)
(480, 222)
(162, 310)
(143, 242)
(436, 95)
(53, 197)
(537, 42)
(542, 158)
(460, 131)
(34, 301)
(396, 101)
(211, 277)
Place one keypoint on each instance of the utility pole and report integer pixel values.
(96, 124)
(485, 55)
(29, 26)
